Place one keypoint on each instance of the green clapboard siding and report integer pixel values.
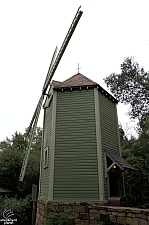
(75, 164)
(109, 132)
(45, 172)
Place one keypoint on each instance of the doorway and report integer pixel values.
(114, 184)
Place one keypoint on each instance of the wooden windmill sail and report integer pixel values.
(52, 68)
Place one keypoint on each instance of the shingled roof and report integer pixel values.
(118, 160)
(78, 80)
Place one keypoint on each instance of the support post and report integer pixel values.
(34, 201)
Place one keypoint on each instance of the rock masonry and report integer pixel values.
(91, 213)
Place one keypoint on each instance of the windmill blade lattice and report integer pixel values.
(52, 68)
(63, 47)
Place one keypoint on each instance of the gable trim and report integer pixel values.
(118, 160)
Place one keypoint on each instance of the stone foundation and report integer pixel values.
(91, 213)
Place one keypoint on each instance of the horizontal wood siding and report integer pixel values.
(109, 132)
(45, 172)
(75, 166)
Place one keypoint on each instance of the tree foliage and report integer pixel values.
(18, 141)
(131, 86)
(135, 151)
(10, 164)
(21, 209)
(11, 159)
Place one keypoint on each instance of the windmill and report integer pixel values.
(52, 68)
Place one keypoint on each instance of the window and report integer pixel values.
(46, 157)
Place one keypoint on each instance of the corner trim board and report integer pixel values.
(51, 180)
(99, 145)
(39, 194)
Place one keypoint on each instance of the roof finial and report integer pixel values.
(78, 68)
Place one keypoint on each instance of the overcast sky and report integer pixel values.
(108, 32)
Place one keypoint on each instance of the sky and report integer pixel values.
(107, 33)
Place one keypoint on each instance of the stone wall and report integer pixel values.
(91, 213)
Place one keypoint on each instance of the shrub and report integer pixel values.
(20, 207)
(63, 219)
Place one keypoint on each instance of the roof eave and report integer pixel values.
(107, 94)
(100, 89)
(74, 87)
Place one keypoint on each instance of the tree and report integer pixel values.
(135, 151)
(11, 160)
(18, 141)
(10, 164)
(131, 86)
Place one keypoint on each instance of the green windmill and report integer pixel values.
(80, 154)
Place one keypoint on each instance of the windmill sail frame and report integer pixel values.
(52, 68)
